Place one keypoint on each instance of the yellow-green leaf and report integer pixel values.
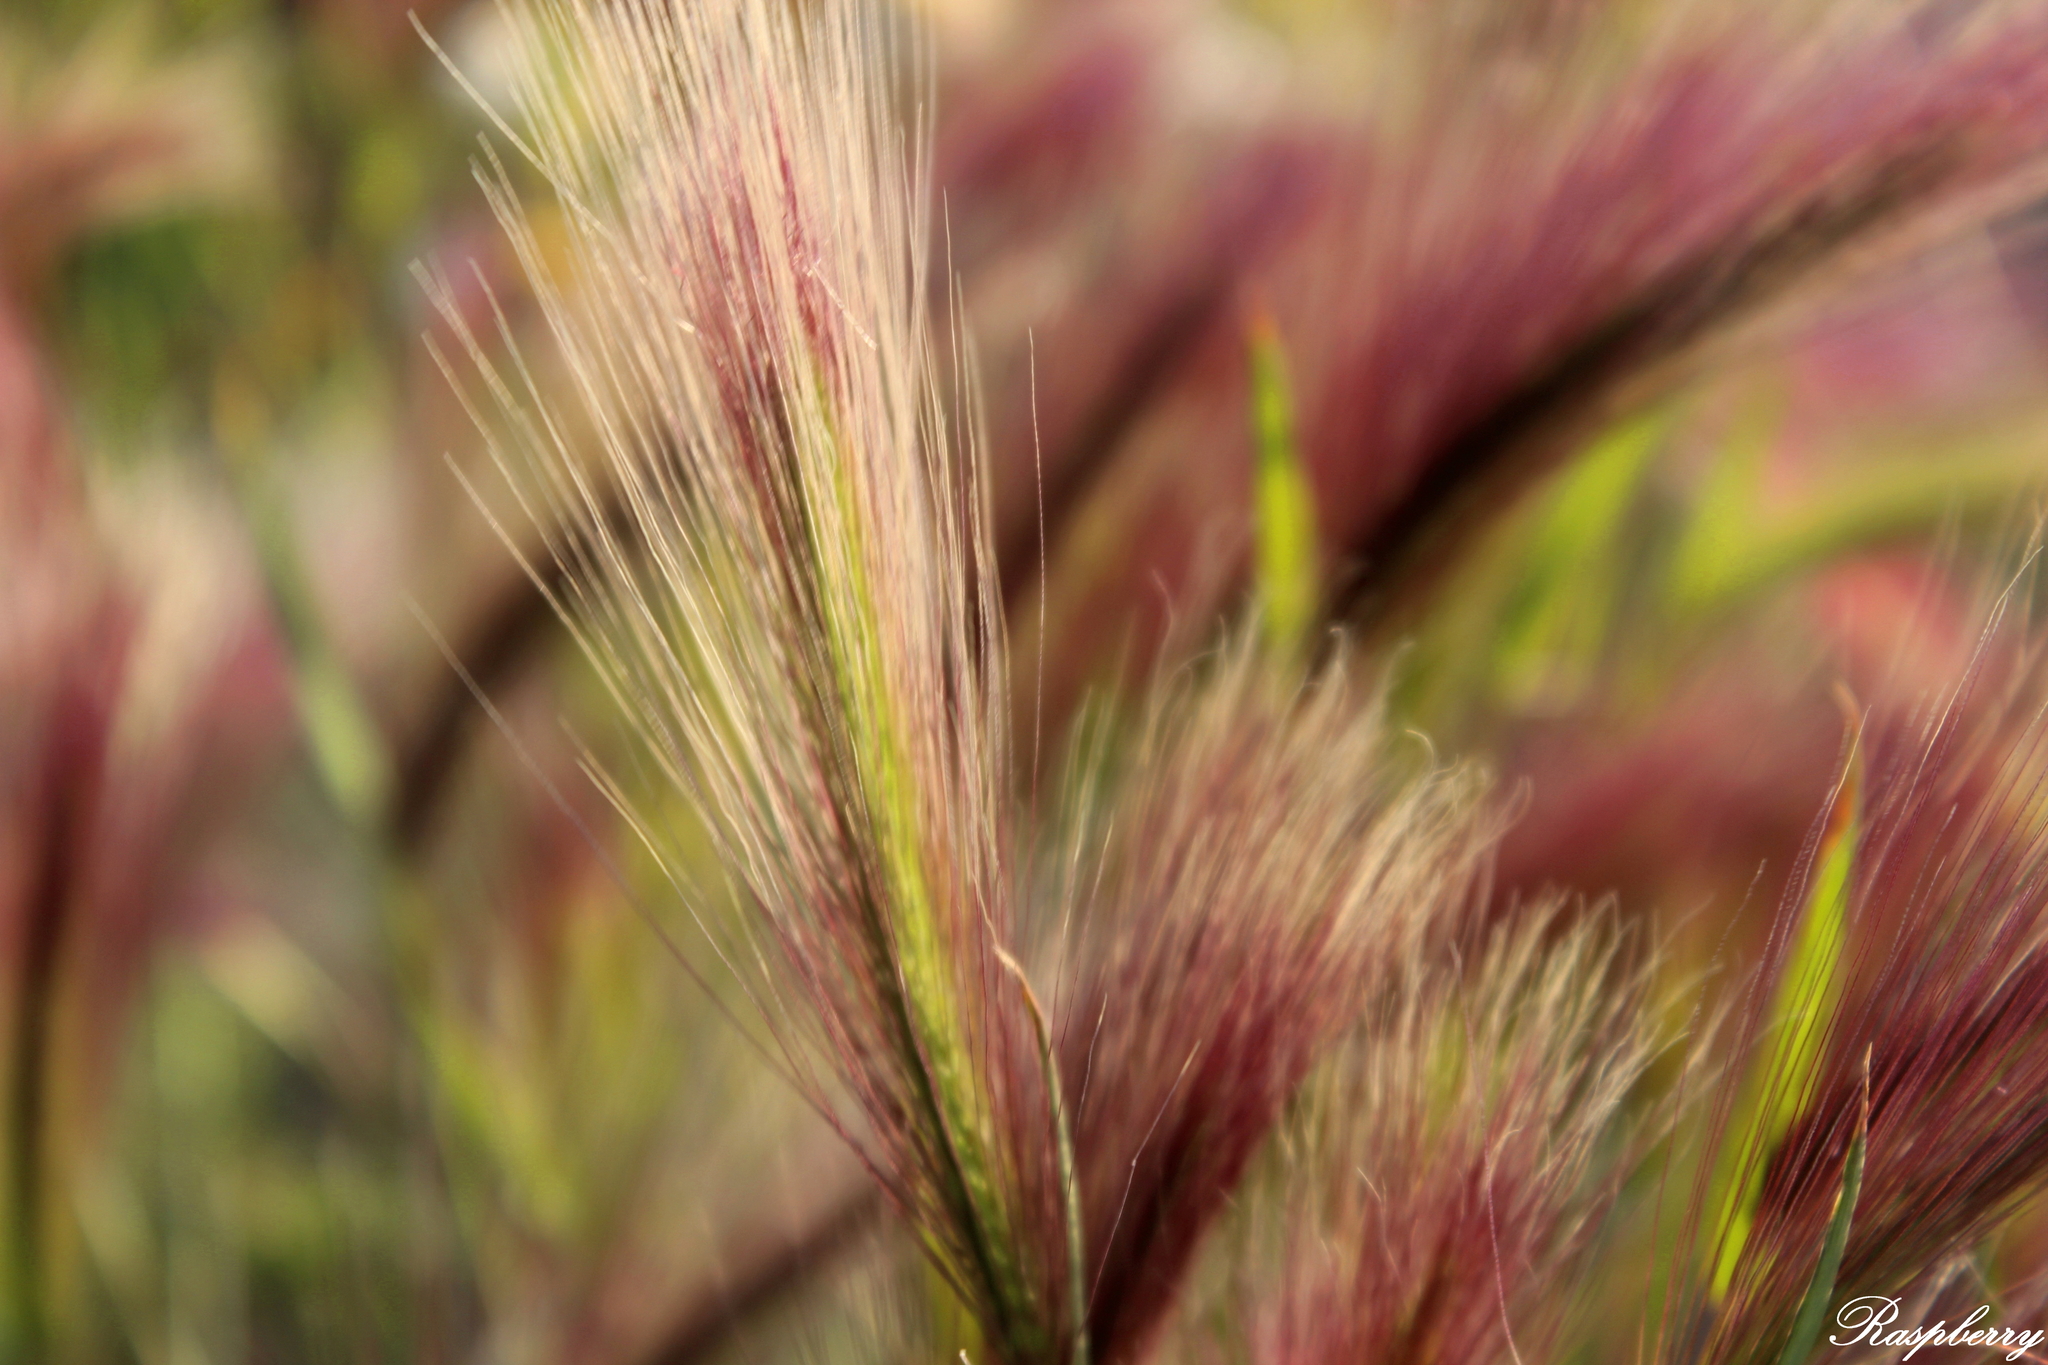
(1557, 616)
(1716, 548)
(1776, 1087)
(1289, 587)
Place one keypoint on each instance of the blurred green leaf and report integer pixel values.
(387, 181)
(500, 1117)
(1288, 585)
(1881, 501)
(1736, 545)
(1717, 546)
(1560, 610)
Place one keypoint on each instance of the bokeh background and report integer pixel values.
(338, 1019)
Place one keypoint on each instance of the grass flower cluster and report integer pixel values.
(1204, 718)
(1058, 1030)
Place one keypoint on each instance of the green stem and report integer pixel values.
(1063, 1149)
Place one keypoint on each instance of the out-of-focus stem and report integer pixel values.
(711, 1314)
(514, 627)
(26, 1111)
(73, 759)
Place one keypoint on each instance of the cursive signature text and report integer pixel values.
(1869, 1320)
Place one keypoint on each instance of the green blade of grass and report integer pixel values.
(1064, 1154)
(1775, 1089)
(1813, 1309)
(1288, 584)
(1557, 619)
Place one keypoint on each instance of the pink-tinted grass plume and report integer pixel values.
(1255, 866)
(1436, 1194)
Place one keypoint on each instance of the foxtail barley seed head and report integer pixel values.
(787, 615)
(778, 560)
